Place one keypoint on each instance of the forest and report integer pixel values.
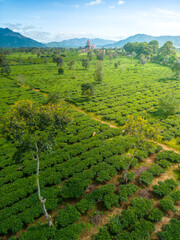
(90, 143)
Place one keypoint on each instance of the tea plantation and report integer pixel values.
(99, 182)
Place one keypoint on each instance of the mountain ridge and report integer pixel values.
(79, 42)
(9, 38)
(146, 38)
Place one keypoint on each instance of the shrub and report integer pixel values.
(164, 163)
(169, 155)
(127, 191)
(128, 217)
(165, 187)
(130, 176)
(156, 170)
(170, 231)
(68, 216)
(175, 195)
(155, 215)
(86, 203)
(103, 234)
(111, 200)
(74, 188)
(167, 203)
(141, 155)
(146, 178)
(70, 232)
(142, 229)
(38, 232)
(115, 225)
(61, 71)
(141, 206)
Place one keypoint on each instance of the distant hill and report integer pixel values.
(146, 38)
(79, 42)
(10, 39)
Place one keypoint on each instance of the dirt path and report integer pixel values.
(114, 126)
(95, 118)
(104, 122)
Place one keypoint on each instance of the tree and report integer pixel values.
(141, 129)
(176, 68)
(167, 49)
(142, 59)
(58, 60)
(99, 73)
(5, 70)
(33, 128)
(87, 89)
(155, 46)
(61, 71)
(85, 63)
(71, 64)
(167, 105)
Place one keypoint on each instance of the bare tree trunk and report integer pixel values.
(42, 201)
(126, 170)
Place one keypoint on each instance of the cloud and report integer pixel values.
(165, 11)
(120, 2)
(111, 7)
(94, 2)
(36, 17)
(76, 6)
(13, 26)
(37, 35)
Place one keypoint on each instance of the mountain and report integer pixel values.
(146, 38)
(79, 42)
(11, 39)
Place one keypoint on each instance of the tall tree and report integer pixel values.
(167, 49)
(33, 128)
(99, 73)
(85, 63)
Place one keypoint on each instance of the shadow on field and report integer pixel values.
(167, 79)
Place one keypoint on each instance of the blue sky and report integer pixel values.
(55, 20)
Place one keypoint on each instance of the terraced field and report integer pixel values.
(81, 176)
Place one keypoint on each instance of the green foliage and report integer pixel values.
(143, 229)
(155, 215)
(164, 163)
(175, 195)
(167, 105)
(67, 216)
(115, 225)
(99, 73)
(130, 176)
(167, 203)
(87, 89)
(43, 232)
(103, 234)
(146, 178)
(176, 68)
(86, 203)
(156, 170)
(168, 155)
(141, 206)
(171, 231)
(128, 217)
(141, 129)
(127, 191)
(60, 71)
(72, 232)
(165, 187)
(74, 188)
(85, 63)
(111, 200)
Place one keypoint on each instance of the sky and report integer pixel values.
(57, 20)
